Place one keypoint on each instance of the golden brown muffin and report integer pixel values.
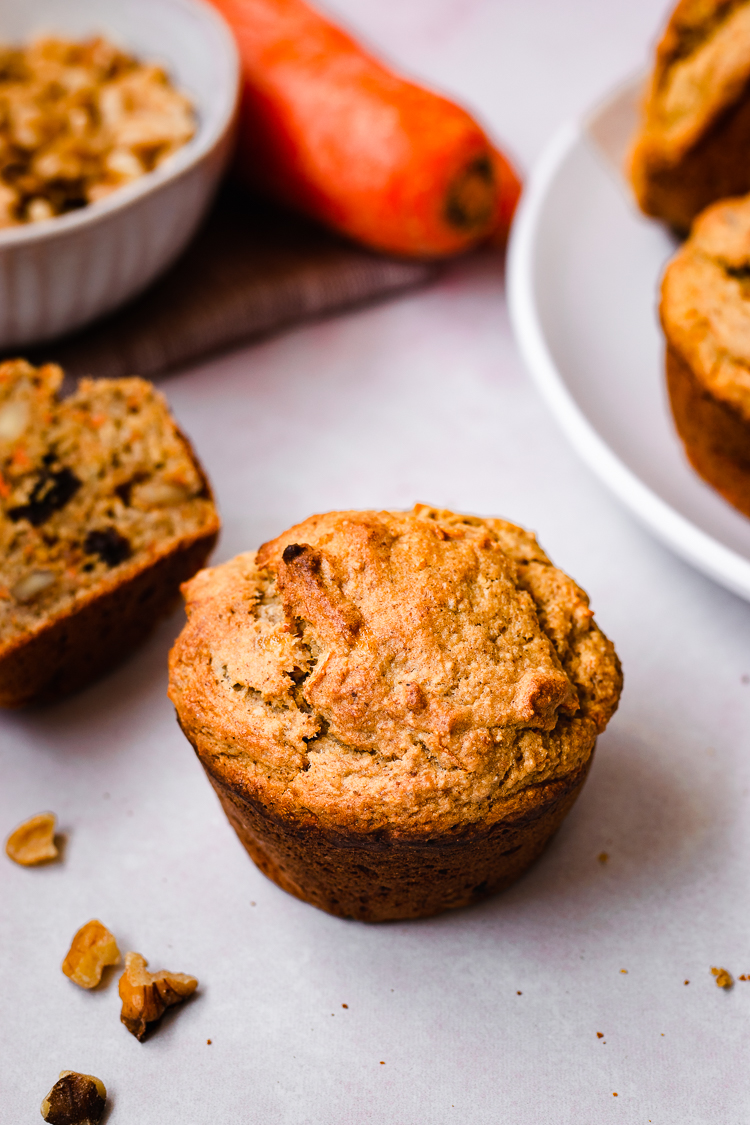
(396, 709)
(693, 146)
(104, 511)
(705, 313)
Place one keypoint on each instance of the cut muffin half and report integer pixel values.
(104, 511)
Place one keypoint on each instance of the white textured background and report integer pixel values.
(423, 399)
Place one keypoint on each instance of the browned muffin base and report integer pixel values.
(716, 437)
(77, 649)
(389, 879)
(715, 168)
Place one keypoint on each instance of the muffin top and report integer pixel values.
(702, 67)
(406, 672)
(705, 303)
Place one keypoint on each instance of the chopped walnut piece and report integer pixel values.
(146, 996)
(77, 121)
(33, 841)
(723, 978)
(92, 948)
(75, 1099)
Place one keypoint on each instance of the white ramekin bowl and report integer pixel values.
(60, 274)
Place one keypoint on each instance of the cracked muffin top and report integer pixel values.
(702, 68)
(398, 671)
(705, 302)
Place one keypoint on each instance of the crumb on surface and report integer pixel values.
(623, 970)
(344, 1005)
(723, 978)
(208, 1042)
(600, 1035)
(686, 982)
(33, 842)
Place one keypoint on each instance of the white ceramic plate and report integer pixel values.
(583, 278)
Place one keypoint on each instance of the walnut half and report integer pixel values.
(75, 1099)
(146, 996)
(92, 948)
(33, 841)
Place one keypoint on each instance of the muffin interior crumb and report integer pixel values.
(92, 488)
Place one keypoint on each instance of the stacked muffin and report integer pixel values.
(692, 150)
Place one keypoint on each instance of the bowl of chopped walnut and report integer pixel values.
(116, 123)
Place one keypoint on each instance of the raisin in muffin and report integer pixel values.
(396, 709)
(104, 511)
(693, 145)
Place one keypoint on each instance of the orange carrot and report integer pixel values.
(328, 129)
(509, 192)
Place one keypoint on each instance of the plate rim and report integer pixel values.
(725, 565)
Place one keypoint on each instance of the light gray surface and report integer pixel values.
(423, 399)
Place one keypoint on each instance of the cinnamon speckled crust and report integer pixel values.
(705, 313)
(396, 708)
(693, 142)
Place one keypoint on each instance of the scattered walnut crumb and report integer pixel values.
(146, 996)
(603, 857)
(623, 970)
(686, 982)
(75, 1099)
(346, 1005)
(33, 842)
(382, 1062)
(600, 1035)
(723, 978)
(744, 977)
(92, 948)
(615, 1095)
(208, 1042)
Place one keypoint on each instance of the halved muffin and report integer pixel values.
(693, 145)
(104, 511)
(396, 709)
